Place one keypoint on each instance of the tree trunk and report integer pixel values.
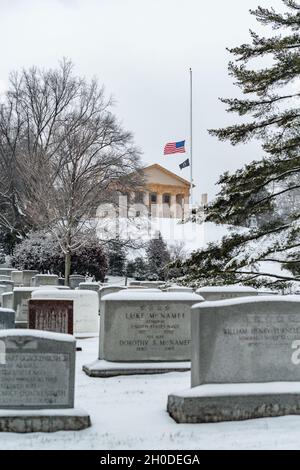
(67, 267)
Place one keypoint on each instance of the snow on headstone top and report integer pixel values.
(152, 296)
(63, 294)
(226, 288)
(108, 286)
(247, 300)
(136, 289)
(38, 334)
(2, 309)
(176, 288)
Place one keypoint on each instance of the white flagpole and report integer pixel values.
(191, 135)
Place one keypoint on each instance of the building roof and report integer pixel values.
(168, 172)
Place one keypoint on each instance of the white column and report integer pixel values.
(173, 208)
(147, 199)
(159, 208)
(185, 208)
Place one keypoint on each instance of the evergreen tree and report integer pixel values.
(116, 259)
(158, 256)
(271, 114)
(140, 269)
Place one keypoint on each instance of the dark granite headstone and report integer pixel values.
(51, 315)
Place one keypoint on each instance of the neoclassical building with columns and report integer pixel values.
(165, 194)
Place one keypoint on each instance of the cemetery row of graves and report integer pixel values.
(241, 345)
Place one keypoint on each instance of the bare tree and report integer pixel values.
(72, 153)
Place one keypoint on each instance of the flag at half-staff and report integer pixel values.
(174, 147)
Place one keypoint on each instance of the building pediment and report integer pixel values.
(156, 174)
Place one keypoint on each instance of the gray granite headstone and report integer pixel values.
(45, 280)
(246, 340)
(6, 272)
(105, 290)
(17, 278)
(110, 289)
(20, 303)
(2, 289)
(37, 370)
(146, 326)
(61, 281)
(245, 361)
(28, 274)
(135, 283)
(4, 278)
(179, 289)
(225, 292)
(75, 280)
(89, 286)
(150, 284)
(7, 318)
(9, 285)
(7, 300)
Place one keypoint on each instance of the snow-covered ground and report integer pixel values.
(130, 413)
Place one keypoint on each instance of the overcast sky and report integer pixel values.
(142, 50)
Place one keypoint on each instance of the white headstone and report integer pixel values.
(86, 305)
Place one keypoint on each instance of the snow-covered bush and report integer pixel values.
(41, 251)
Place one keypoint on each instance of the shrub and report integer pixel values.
(41, 251)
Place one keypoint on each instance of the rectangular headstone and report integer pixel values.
(86, 306)
(146, 326)
(250, 339)
(89, 286)
(20, 302)
(7, 300)
(7, 318)
(27, 277)
(51, 315)
(36, 370)
(75, 280)
(225, 292)
(9, 285)
(6, 272)
(2, 289)
(17, 278)
(45, 280)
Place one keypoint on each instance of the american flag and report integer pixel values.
(174, 147)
